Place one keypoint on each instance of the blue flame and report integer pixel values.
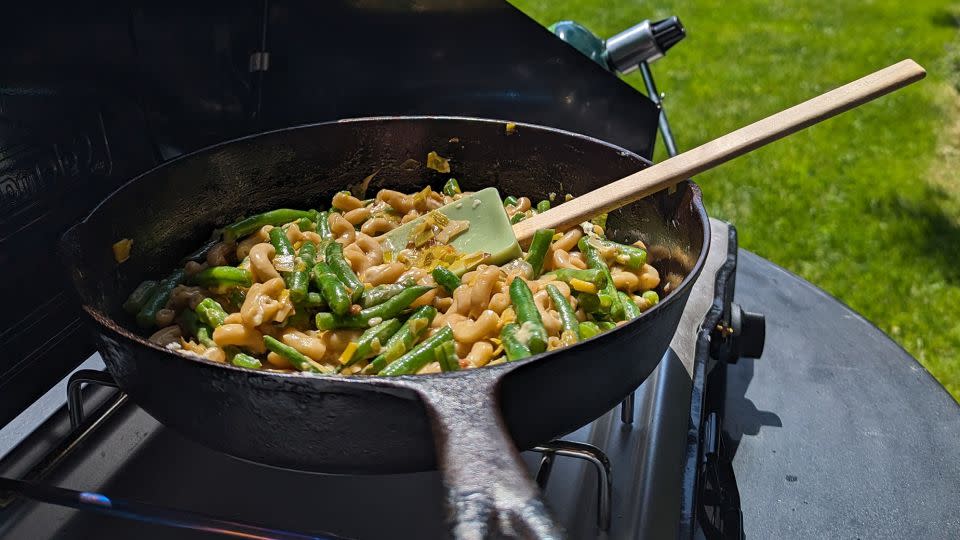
(96, 498)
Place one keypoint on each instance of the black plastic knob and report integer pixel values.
(742, 335)
(750, 332)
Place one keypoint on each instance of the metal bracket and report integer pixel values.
(586, 452)
(75, 391)
(720, 514)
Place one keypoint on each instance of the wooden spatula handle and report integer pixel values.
(671, 171)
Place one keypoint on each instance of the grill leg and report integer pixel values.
(626, 408)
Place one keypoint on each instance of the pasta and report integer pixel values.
(315, 291)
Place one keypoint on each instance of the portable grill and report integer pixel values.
(836, 432)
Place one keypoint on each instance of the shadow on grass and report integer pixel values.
(925, 230)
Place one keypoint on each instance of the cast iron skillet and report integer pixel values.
(470, 423)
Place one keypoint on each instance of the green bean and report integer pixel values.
(419, 356)
(370, 342)
(590, 303)
(630, 310)
(382, 293)
(310, 256)
(517, 218)
(568, 318)
(630, 256)
(139, 296)
(285, 258)
(147, 316)
(538, 249)
(323, 224)
(333, 256)
(652, 297)
(314, 300)
(608, 294)
(295, 357)
(445, 278)
(446, 355)
(543, 206)
(401, 342)
(210, 312)
(588, 329)
(387, 310)
(510, 200)
(205, 336)
(512, 346)
(274, 217)
(222, 276)
(528, 315)
(601, 220)
(606, 325)
(298, 281)
(305, 224)
(245, 361)
(333, 291)
(188, 322)
(592, 276)
(191, 324)
(451, 188)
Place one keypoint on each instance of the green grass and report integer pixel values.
(867, 205)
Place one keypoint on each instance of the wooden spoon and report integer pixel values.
(490, 230)
(709, 155)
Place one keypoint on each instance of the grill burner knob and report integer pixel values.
(749, 332)
(742, 337)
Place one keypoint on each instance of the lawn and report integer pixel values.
(866, 206)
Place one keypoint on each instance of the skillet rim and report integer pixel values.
(376, 380)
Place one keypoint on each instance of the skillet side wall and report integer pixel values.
(355, 426)
(288, 422)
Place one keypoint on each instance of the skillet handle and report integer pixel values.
(490, 493)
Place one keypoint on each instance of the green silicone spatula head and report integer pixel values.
(490, 230)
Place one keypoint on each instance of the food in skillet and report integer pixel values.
(314, 291)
